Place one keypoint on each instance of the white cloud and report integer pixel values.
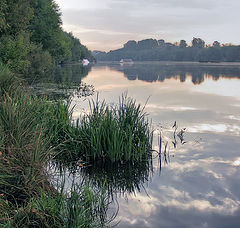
(137, 19)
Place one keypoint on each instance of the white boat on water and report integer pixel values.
(126, 61)
(85, 62)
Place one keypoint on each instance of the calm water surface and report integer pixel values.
(199, 183)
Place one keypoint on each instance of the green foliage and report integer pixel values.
(147, 44)
(124, 178)
(3, 24)
(108, 133)
(8, 82)
(24, 149)
(131, 44)
(153, 50)
(32, 40)
(14, 50)
(45, 28)
(41, 62)
(198, 43)
(17, 15)
(86, 207)
(80, 207)
(27, 199)
(79, 51)
(183, 43)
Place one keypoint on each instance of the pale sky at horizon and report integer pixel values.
(108, 24)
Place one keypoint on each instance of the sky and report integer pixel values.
(107, 24)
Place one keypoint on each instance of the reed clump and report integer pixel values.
(116, 133)
(109, 133)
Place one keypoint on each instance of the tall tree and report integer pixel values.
(216, 44)
(131, 45)
(198, 43)
(45, 28)
(147, 44)
(17, 15)
(3, 24)
(183, 44)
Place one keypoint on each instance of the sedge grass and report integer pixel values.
(109, 133)
(31, 129)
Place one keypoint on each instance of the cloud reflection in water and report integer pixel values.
(200, 186)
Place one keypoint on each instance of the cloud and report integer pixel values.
(115, 20)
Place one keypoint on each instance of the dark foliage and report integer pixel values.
(32, 40)
(159, 50)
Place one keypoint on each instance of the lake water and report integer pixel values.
(199, 181)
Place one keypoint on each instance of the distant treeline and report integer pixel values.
(32, 40)
(159, 50)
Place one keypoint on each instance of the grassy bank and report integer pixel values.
(35, 131)
(28, 126)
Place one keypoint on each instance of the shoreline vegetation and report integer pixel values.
(32, 42)
(159, 50)
(27, 196)
(35, 131)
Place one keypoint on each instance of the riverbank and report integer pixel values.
(36, 133)
(28, 197)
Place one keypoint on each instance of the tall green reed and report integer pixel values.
(114, 133)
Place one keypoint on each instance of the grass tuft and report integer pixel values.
(116, 133)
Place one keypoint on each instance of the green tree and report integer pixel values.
(131, 45)
(147, 44)
(216, 44)
(198, 43)
(17, 15)
(161, 43)
(183, 44)
(3, 24)
(45, 27)
(41, 62)
(14, 51)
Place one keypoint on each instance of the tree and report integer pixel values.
(131, 44)
(147, 44)
(216, 44)
(161, 43)
(183, 44)
(198, 43)
(45, 26)
(3, 24)
(14, 51)
(17, 15)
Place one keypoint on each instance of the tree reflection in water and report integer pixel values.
(152, 72)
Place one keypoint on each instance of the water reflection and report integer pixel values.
(63, 81)
(72, 74)
(153, 72)
(200, 186)
(120, 179)
(198, 189)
